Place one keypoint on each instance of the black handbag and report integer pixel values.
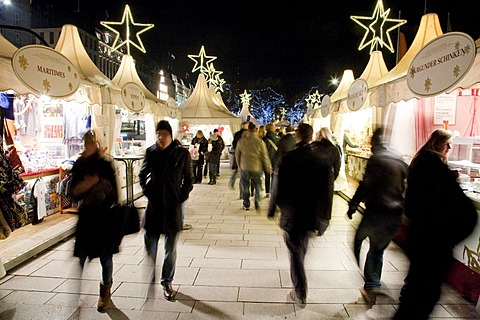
(127, 217)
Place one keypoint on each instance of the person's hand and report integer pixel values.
(350, 213)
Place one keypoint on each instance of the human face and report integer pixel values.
(163, 139)
(445, 148)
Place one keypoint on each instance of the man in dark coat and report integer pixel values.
(236, 137)
(302, 177)
(271, 141)
(382, 190)
(286, 143)
(166, 181)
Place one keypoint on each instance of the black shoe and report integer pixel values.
(168, 292)
(296, 299)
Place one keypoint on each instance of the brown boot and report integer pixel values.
(104, 300)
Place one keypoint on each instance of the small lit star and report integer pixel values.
(127, 20)
(245, 98)
(379, 25)
(202, 61)
(219, 82)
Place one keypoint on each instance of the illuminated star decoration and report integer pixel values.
(379, 25)
(245, 98)
(213, 79)
(201, 60)
(127, 20)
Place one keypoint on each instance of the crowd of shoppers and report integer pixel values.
(426, 192)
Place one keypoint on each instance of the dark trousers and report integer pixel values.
(212, 171)
(197, 168)
(380, 226)
(429, 265)
(268, 182)
(297, 244)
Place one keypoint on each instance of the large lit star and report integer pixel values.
(127, 20)
(245, 98)
(379, 26)
(202, 61)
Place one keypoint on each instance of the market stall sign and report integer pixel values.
(357, 94)
(133, 96)
(441, 64)
(45, 71)
(325, 106)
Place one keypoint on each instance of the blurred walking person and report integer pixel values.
(271, 140)
(325, 148)
(215, 147)
(166, 181)
(94, 186)
(236, 137)
(201, 144)
(440, 216)
(252, 159)
(382, 190)
(301, 180)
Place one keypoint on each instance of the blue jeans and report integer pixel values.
(380, 228)
(256, 178)
(107, 267)
(170, 253)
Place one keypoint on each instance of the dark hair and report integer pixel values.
(251, 126)
(215, 130)
(305, 132)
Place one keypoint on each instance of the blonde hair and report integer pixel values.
(325, 133)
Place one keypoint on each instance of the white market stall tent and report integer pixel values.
(203, 110)
(94, 84)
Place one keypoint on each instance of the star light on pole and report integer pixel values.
(201, 60)
(379, 26)
(127, 20)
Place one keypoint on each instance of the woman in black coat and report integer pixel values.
(440, 216)
(94, 187)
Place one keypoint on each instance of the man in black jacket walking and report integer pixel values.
(166, 181)
(382, 190)
(301, 206)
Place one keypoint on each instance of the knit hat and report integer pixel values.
(164, 125)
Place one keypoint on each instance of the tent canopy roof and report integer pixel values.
(70, 45)
(204, 104)
(128, 73)
(428, 30)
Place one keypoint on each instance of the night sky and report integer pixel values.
(301, 44)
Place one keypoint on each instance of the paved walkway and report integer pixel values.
(233, 264)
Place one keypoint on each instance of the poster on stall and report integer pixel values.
(445, 109)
